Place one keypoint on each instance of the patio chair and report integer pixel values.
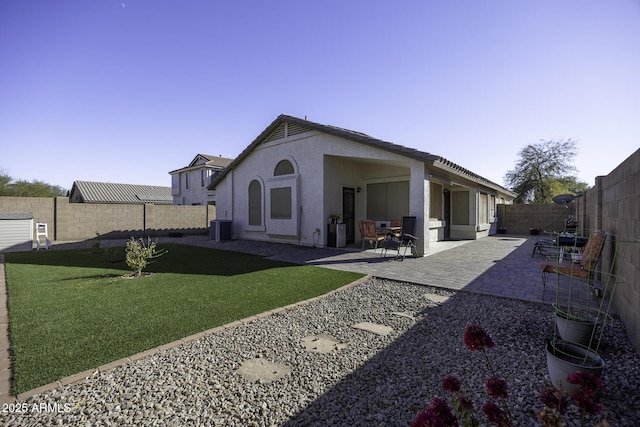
(546, 244)
(406, 240)
(396, 223)
(584, 270)
(369, 234)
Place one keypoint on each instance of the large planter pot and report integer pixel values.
(576, 329)
(564, 358)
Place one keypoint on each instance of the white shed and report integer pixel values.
(16, 232)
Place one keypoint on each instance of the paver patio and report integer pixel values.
(496, 265)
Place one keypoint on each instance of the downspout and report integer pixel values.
(299, 224)
(233, 197)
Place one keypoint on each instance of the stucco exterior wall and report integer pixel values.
(196, 194)
(324, 165)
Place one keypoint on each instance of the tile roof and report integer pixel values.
(107, 192)
(210, 160)
(216, 160)
(435, 160)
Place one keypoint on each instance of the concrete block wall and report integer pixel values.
(81, 221)
(42, 209)
(519, 218)
(613, 205)
(173, 217)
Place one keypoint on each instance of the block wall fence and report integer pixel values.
(519, 218)
(81, 221)
(613, 205)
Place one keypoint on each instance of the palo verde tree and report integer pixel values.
(544, 171)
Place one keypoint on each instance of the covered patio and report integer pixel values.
(384, 190)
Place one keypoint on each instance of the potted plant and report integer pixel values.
(579, 330)
(334, 218)
(565, 358)
(577, 325)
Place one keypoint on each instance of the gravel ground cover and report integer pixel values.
(375, 380)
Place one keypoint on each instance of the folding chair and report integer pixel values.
(406, 240)
(368, 233)
(588, 261)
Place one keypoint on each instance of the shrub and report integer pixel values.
(140, 254)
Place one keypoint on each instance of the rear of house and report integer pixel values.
(288, 182)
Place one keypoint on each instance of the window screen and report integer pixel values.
(460, 207)
(284, 167)
(281, 203)
(255, 203)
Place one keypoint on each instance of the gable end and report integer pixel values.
(294, 129)
(279, 133)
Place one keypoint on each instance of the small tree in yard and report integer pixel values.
(139, 254)
(545, 170)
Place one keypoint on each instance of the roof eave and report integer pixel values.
(448, 165)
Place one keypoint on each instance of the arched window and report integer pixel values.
(284, 167)
(255, 203)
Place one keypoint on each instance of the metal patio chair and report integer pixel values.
(406, 239)
(555, 239)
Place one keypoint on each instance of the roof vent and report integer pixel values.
(294, 129)
(276, 134)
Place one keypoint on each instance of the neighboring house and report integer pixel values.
(189, 184)
(107, 192)
(285, 185)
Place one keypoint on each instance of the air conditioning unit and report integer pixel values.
(220, 230)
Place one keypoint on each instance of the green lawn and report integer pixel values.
(73, 310)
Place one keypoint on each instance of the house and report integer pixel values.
(287, 183)
(107, 192)
(189, 184)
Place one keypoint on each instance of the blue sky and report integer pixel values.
(126, 91)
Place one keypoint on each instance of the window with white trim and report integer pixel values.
(281, 196)
(255, 203)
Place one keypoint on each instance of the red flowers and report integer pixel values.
(451, 384)
(497, 387)
(585, 381)
(554, 399)
(495, 415)
(477, 338)
(585, 397)
(438, 414)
